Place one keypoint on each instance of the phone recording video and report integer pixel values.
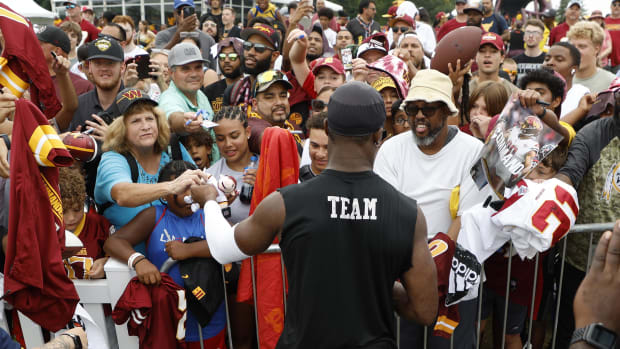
(188, 11)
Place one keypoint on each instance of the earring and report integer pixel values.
(572, 71)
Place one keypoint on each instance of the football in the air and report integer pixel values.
(82, 147)
(462, 43)
(227, 184)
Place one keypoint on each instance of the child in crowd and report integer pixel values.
(199, 147)
(84, 222)
(510, 67)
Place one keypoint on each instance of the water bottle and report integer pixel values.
(247, 189)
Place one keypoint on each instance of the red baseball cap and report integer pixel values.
(493, 39)
(331, 62)
(403, 18)
(391, 12)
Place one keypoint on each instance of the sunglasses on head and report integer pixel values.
(427, 110)
(401, 29)
(70, 6)
(318, 105)
(232, 56)
(260, 48)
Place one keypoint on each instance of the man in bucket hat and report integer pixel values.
(431, 164)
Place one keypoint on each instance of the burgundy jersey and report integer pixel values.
(93, 231)
(442, 250)
(156, 313)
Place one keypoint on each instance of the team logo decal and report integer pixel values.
(198, 292)
(130, 95)
(611, 182)
(103, 44)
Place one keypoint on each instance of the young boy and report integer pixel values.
(199, 147)
(83, 221)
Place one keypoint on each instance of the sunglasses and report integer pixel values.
(269, 76)
(428, 111)
(259, 48)
(318, 105)
(510, 72)
(400, 29)
(70, 6)
(400, 121)
(232, 56)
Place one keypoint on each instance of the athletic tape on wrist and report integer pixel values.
(132, 258)
(220, 235)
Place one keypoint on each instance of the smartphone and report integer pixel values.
(188, 11)
(143, 62)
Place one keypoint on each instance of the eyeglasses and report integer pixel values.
(510, 72)
(532, 33)
(260, 48)
(401, 29)
(232, 56)
(209, 24)
(401, 121)
(428, 110)
(70, 6)
(318, 105)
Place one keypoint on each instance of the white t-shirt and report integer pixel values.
(136, 51)
(430, 179)
(571, 102)
(330, 34)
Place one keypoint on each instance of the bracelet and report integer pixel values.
(542, 114)
(132, 259)
(77, 341)
(138, 261)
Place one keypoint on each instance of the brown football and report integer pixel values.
(82, 147)
(461, 43)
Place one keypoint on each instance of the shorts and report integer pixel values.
(494, 303)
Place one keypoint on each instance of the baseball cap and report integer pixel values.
(403, 18)
(236, 43)
(391, 12)
(130, 96)
(474, 6)
(605, 98)
(267, 78)
(55, 36)
(204, 287)
(331, 62)
(574, 2)
(105, 48)
(70, 2)
(550, 13)
(184, 53)
(460, 2)
(264, 30)
(596, 14)
(430, 86)
(397, 71)
(179, 3)
(87, 8)
(376, 41)
(493, 39)
(355, 109)
(440, 15)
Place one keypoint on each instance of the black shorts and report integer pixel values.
(494, 303)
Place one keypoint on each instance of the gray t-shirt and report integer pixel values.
(206, 41)
(239, 210)
(598, 82)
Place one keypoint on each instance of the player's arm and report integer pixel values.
(416, 298)
(253, 235)
(120, 245)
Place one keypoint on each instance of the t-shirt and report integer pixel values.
(571, 102)
(90, 29)
(598, 82)
(215, 94)
(133, 53)
(361, 30)
(93, 230)
(173, 100)
(526, 64)
(448, 27)
(81, 85)
(114, 169)
(516, 43)
(494, 23)
(557, 33)
(613, 26)
(330, 35)
(238, 210)
(399, 160)
(234, 32)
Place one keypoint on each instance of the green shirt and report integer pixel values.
(173, 100)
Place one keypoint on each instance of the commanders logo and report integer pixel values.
(612, 182)
(103, 44)
(199, 293)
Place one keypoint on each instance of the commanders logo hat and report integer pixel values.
(130, 96)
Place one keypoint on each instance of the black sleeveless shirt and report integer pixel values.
(346, 238)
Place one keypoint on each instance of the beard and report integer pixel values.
(311, 57)
(260, 67)
(234, 74)
(429, 139)
(107, 85)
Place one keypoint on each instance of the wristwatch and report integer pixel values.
(596, 335)
(77, 341)
(7, 140)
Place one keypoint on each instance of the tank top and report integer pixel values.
(172, 227)
(346, 238)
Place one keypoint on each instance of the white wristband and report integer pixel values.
(220, 235)
(132, 259)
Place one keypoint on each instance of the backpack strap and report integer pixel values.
(133, 167)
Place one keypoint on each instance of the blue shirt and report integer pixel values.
(494, 23)
(172, 227)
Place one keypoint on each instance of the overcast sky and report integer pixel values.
(603, 5)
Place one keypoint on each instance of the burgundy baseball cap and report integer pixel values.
(264, 30)
(391, 12)
(605, 98)
(331, 62)
(403, 18)
(493, 39)
(377, 42)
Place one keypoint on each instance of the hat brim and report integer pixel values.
(315, 69)
(472, 9)
(266, 86)
(428, 95)
(396, 19)
(138, 100)
(188, 61)
(112, 58)
(246, 33)
(603, 99)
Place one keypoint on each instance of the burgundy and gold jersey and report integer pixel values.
(93, 231)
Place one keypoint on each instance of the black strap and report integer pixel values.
(174, 147)
(133, 167)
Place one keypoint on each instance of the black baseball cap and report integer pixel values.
(55, 36)
(550, 13)
(106, 48)
(355, 109)
(204, 285)
(263, 30)
(130, 96)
